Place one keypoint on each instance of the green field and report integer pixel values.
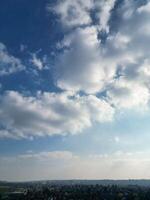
(4, 189)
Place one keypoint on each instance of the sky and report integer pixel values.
(74, 89)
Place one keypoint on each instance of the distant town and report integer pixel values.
(76, 190)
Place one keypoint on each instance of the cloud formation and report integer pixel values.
(74, 13)
(78, 13)
(81, 67)
(49, 114)
(118, 66)
(101, 67)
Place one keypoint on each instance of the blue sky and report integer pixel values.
(74, 89)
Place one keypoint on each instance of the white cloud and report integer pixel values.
(144, 8)
(104, 8)
(120, 66)
(128, 94)
(88, 66)
(37, 62)
(8, 63)
(73, 13)
(131, 87)
(81, 67)
(77, 13)
(50, 113)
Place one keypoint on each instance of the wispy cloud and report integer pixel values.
(37, 62)
(8, 63)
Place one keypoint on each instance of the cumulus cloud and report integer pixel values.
(128, 94)
(49, 114)
(74, 13)
(120, 65)
(78, 13)
(81, 67)
(131, 53)
(144, 8)
(8, 63)
(104, 8)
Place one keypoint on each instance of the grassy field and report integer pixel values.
(4, 189)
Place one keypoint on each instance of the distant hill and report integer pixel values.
(101, 182)
(131, 182)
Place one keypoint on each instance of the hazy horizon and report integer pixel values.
(82, 181)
